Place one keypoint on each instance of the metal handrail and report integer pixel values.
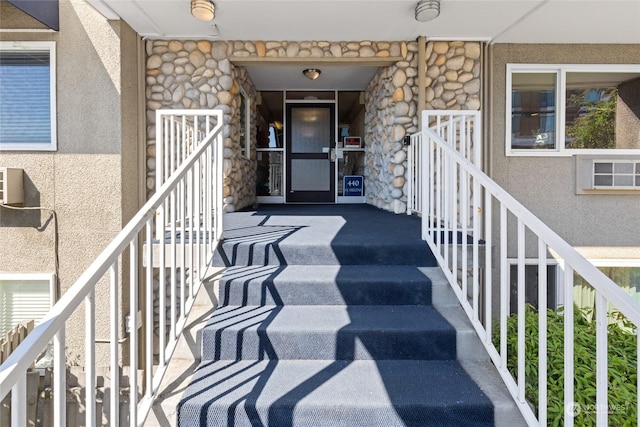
(459, 215)
(460, 129)
(197, 184)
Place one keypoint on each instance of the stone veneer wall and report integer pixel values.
(200, 74)
(453, 76)
(391, 103)
(452, 82)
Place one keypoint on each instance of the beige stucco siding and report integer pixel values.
(547, 185)
(92, 180)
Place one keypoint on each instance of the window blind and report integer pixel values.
(23, 300)
(25, 97)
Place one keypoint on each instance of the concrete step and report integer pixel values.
(290, 250)
(324, 285)
(328, 332)
(362, 393)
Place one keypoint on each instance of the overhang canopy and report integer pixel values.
(45, 11)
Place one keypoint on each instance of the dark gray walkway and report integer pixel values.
(326, 319)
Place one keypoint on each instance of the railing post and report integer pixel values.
(114, 413)
(133, 334)
(488, 267)
(148, 316)
(59, 379)
(90, 360)
(19, 402)
(542, 332)
(602, 364)
(504, 289)
(569, 403)
(219, 193)
(410, 177)
(521, 313)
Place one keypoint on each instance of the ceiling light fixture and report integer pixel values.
(427, 10)
(203, 10)
(312, 73)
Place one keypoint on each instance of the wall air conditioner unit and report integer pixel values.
(608, 174)
(11, 188)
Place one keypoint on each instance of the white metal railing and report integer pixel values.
(467, 214)
(177, 135)
(414, 175)
(459, 129)
(191, 195)
(271, 160)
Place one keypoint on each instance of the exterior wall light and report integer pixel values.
(312, 73)
(427, 10)
(203, 10)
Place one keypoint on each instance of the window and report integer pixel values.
(625, 274)
(533, 118)
(245, 124)
(24, 297)
(27, 96)
(569, 109)
(531, 285)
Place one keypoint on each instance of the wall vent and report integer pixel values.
(11, 188)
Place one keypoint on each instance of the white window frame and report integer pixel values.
(34, 277)
(561, 71)
(246, 151)
(51, 47)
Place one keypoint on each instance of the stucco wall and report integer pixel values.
(91, 181)
(547, 185)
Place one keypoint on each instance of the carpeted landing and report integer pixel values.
(325, 320)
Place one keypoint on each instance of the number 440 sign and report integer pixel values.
(353, 185)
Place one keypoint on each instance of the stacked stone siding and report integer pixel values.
(196, 75)
(453, 76)
(390, 114)
(201, 74)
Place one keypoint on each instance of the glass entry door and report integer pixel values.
(310, 140)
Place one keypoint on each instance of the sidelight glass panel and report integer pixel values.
(269, 173)
(310, 129)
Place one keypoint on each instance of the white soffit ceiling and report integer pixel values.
(500, 21)
(291, 77)
(496, 21)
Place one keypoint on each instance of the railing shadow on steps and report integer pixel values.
(457, 199)
(227, 389)
(163, 252)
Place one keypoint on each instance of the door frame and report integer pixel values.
(311, 196)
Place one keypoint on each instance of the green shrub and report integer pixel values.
(622, 350)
